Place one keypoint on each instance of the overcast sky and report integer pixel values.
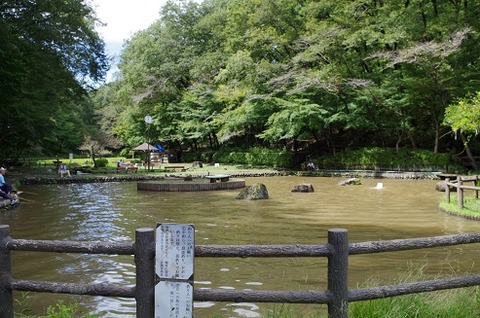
(123, 19)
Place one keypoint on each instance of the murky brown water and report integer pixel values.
(112, 212)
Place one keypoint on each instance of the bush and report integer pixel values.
(101, 163)
(256, 156)
(385, 159)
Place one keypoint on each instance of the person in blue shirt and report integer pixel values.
(5, 188)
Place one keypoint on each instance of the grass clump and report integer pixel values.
(471, 207)
(451, 303)
(288, 311)
(456, 303)
(59, 310)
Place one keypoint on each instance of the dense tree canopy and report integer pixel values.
(50, 55)
(310, 76)
(328, 74)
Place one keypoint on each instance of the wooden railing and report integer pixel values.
(337, 251)
(460, 188)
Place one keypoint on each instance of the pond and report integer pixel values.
(111, 212)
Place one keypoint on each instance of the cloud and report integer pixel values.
(125, 17)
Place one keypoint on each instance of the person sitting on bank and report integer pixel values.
(5, 188)
(62, 169)
(311, 166)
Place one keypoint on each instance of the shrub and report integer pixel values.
(256, 156)
(101, 163)
(385, 158)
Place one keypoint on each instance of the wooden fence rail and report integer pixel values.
(460, 188)
(337, 251)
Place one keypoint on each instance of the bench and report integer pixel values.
(174, 168)
(218, 177)
(127, 168)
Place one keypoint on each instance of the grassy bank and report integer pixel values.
(457, 303)
(374, 158)
(471, 207)
(111, 164)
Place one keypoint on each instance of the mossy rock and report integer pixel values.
(351, 181)
(303, 187)
(256, 191)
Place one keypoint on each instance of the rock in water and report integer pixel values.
(256, 191)
(354, 181)
(303, 187)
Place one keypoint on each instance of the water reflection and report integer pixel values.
(112, 211)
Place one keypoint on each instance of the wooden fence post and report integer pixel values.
(338, 273)
(475, 185)
(460, 192)
(6, 296)
(447, 190)
(145, 272)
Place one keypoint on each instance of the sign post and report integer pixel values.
(148, 120)
(175, 249)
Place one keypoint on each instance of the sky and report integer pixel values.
(123, 19)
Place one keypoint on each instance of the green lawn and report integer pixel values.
(471, 207)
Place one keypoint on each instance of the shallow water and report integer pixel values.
(112, 211)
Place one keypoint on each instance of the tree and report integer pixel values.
(95, 145)
(463, 118)
(334, 74)
(50, 55)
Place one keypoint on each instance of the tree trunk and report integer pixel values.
(93, 157)
(468, 151)
(437, 137)
(399, 140)
(412, 140)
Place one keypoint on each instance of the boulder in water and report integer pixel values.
(350, 181)
(256, 191)
(303, 187)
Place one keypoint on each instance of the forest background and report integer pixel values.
(298, 80)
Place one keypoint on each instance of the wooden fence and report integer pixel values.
(337, 250)
(460, 188)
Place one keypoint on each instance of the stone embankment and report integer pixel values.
(375, 174)
(91, 178)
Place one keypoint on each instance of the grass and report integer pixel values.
(457, 303)
(452, 303)
(60, 310)
(112, 163)
(471, 207)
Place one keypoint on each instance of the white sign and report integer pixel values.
(173, 300)
(175, 251)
